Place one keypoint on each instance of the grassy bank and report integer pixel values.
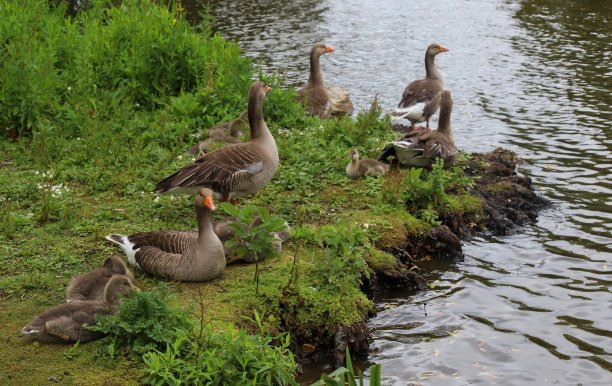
(96, 109)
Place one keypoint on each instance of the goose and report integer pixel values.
(90, 285)
(420, 148)
(241, 168)
(225, 231)
(65, 322)
(314, 95)
(178, 255)
(366, 167)
(221, 134)
(417, 103)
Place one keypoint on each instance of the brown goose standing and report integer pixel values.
(64, 323)
(178, 255)
(241, 168)
(421, 148)
(418, 104)
(365, 167)
(315, 96)
(228, 132)
(90, 285)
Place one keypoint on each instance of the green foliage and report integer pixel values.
(144, 322)
(254, 233)
(424, 192)
(346, 376)
(343, 263)
(229, 356)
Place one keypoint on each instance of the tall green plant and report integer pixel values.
(254, 234)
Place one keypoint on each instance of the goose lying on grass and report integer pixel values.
(178, 255)
(90, 285)
(65, 323)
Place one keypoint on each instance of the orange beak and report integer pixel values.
(208, 201)
(443, 49)
(268, 88)
(329, 49)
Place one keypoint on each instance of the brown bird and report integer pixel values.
(417, 103)
(314, 95)
(241, 168)
(178, 255)
(358, 168)
(90, 285)
(420, 148)
(65, 323)
(227, 132)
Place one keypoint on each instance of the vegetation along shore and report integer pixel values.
(96, 108)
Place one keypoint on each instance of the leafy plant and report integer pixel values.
(144, 322)
(343, 376)
(254, 233)
(343, 250)
(223, 356)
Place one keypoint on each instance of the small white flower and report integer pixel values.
(366, 225)
(69, 88)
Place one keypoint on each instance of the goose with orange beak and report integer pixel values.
(314, 95)
(178, 255)
(237, 169)
(419, 102)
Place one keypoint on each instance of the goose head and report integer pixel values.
(353, 154)
(116, 288)
(116, 265)
(205, 199)
(320, 49)
(435, 49)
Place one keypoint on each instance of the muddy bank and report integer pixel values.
(508, 201)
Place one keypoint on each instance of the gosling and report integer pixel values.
(90, 285)
(66, 322)
(366, 167)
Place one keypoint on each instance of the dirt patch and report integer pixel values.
(510, 201)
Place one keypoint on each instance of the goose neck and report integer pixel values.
(256, 120)
(316, 77)
(431, 70)
(204, 225)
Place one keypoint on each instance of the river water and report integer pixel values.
(534, 76)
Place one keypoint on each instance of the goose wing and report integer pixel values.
(165, 241)
(216, 169)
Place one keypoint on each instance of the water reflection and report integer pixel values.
(530, 75)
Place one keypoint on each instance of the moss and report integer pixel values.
(317, 314)
(380, 261)
(499, 188)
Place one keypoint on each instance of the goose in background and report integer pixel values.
(418, 102)
(314, 95)
(420, 148)
(228, 132)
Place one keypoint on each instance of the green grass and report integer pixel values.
(96, 109)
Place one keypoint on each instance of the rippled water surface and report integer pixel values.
(533, 76)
